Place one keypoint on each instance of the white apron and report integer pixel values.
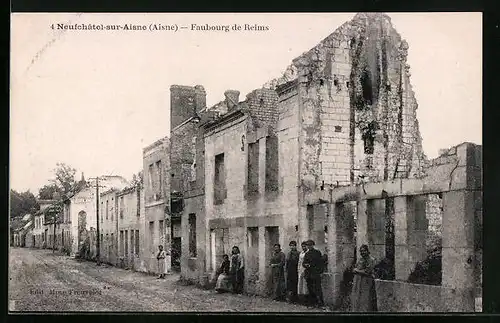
(302, 286)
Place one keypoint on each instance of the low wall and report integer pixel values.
(396, 296)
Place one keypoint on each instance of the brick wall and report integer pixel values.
(262, 105)
(184, 102)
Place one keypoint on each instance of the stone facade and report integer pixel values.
(108, 225)
(459, 185)
(156, 158)
(131, 226)
(343, 113)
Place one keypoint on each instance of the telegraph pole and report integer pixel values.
(98, 244)
(98, 255)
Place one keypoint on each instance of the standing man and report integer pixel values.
(313, 263)
(292, 274)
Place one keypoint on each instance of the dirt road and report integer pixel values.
(42, 281)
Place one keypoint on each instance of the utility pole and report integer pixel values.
(98, 249)
(98, 255)
(54, 236)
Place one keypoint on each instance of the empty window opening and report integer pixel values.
(427, 253)
(159, 180)
(126, 243)
(366, 84)
(192, 235)
(132, 245)
(122, 207)
(121, 242)
(152, 236)
(137, 242)
(272, 164)
(219, 180)
(161, 231)
(253, 168)
(338, 129)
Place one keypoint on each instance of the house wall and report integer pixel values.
(29, 239)
(193, 267)
(246, 219)
(108, 219)
(157, 203)
(82, 201)
(38, 230)
(131, 219)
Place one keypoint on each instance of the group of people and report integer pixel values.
(296, 277)
(303, 270)
(230, 273)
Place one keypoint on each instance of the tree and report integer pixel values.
(22, 203)
(47, 192)
(64, 178)
(53, 211)
(137, 180)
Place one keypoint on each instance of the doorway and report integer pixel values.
(219, 245)
(82, 224)
(176, 234)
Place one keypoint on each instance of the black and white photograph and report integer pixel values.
(246, 162)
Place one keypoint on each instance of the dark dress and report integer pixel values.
(278, 275)
(237, 271)
(292, 274)
(363, 297)
(313, 262)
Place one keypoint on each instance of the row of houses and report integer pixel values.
(237, 173)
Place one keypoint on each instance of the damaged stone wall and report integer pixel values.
(355, 93)
(184, 102)
(261, 104)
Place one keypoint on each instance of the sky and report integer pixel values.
(93, 99)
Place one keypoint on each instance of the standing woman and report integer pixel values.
(237, 270)
(363, 298)
(302, 291)
(278, 273)
(162, 255)
(292, 275)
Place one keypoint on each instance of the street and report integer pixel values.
(40, 280)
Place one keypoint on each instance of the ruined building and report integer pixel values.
(243, 172)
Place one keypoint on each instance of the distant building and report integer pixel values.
(80, 209)
(131, 227)
(108, 226)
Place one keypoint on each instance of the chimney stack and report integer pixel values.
(200, 98)
(185, 102)
(232, 98)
